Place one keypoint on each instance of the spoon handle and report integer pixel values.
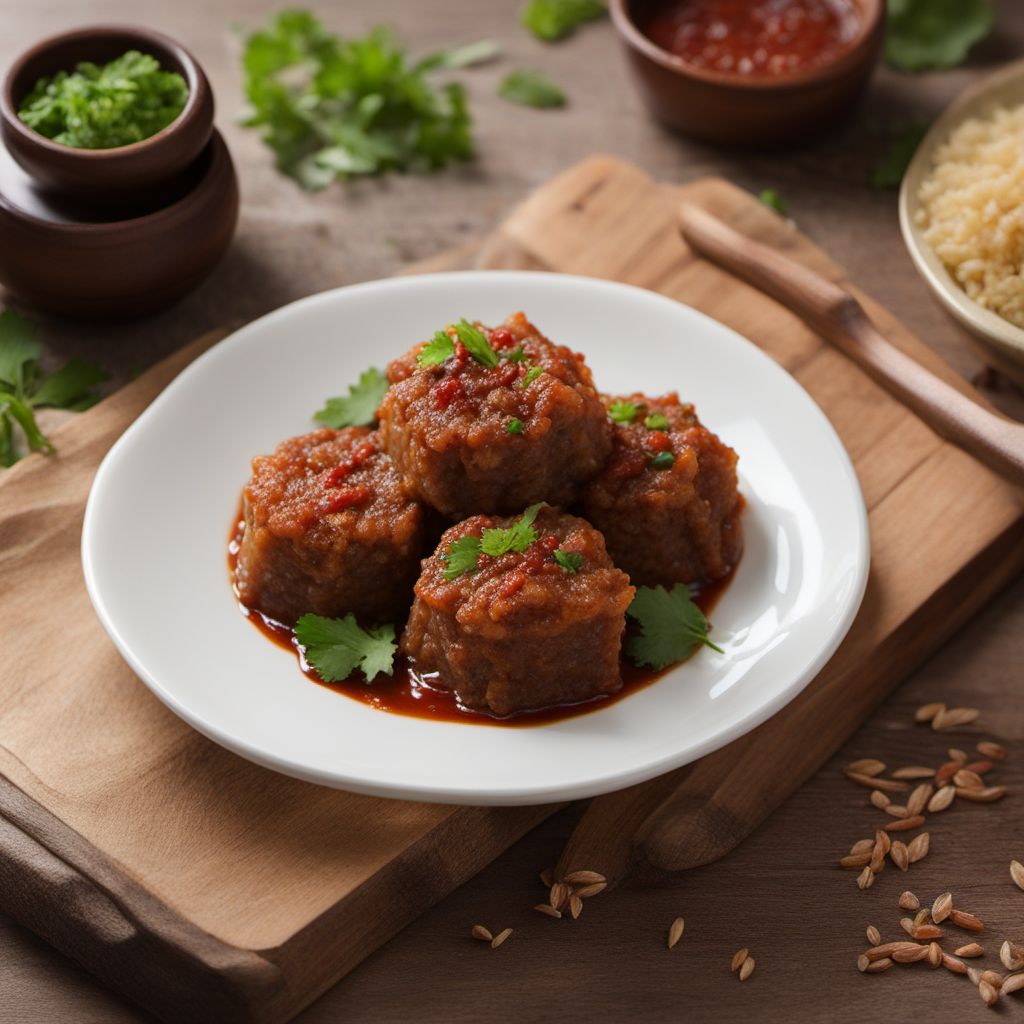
(838, 317)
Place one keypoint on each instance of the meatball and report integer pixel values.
(521, 631)
(471, 438)
(330, 529)
(667, 502)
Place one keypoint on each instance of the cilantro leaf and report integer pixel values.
(531, 89)
(466, 56)
(771, 198)
(656, 421)
(925, 34)
(476, 344)
(623, 412)
(570, 561)
(531, 375)
(461, 557)
(517, 537)
(359, 407)
(671, 626)
(517, 355)
(552, 19)
(437, 350)
(892, 165)
(19, 344)
(515, 426)
(69, 386)
(337, 647)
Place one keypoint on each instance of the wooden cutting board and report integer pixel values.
(209, 889)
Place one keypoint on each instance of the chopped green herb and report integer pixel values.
(663, 460)
(773, 200)
(517, 355)
(437, 350)
(925, 34)
(623, 412)
(359, 407)
(656, 421)
(480, 52)
(892, 165)
(532, 373)
(531, 89)
(337, 647)
(25, 388)
(552, 19)
(335, 108)
(476, 344)
(463, 554)
(101, 107)
(461, 557)
(671, 626)
(515, 426)
(570, 561)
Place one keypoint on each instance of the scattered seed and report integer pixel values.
(500, 938)
(966, 921)
(855, 860)
(877, 861)
(992, 750)
(866, 766)
(547, 878)
(913, 772)
(975, 975)
(911, 954)
(927, 931)
(942, 906)
(907, 924)
(988, 994)
(738, 957)
(970, 950)
(746, 968)
(955, 754)
(593, 889)
(862, 846)
(1017, 873)
(994, 978)
(951, 963)
(926, 712)
(886, 949)
(874, 936)
(575, 906)
(863, 963)
(866, 878)
(583, 878)
(899, 856)
(1014, 983)
(905, 824)
(897, 811)
(877, 966)
(1011, 956)
(917, 848)
(981, 796)
(879, 799)
(942, 799)
(946, 773)
(952, 717)
(546, 908)
(481, 933)
(979, 767)
(965, 779)
(919, 798)
(883, 840)
(934, 954)
(889, 785)
(559, 894)
(675, 932)
(908, 901)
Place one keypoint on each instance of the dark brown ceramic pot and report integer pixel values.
(732, 109)
(124, 170)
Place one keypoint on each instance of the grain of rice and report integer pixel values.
(917, 848)
(943, 798)
(951, 963)
(972, 949)
(966, 921)
(911, 955)
(899, 856)
(1014, 983)
(942, 906)
(481, 933)
(738, 957)
(988, 994)
(546, 908)
(1011, 956)
(908, 901)
(905, 824)
(874, 936)
(981, 796)
(866, 766)
(934, 954)
(747, 968)
(500, 938)
(926, 712)
(585, 891)
(872, 782)
(919, 798)
(575, 906)
(1017, 873)
(879, 799)
(584, 878)
(951, 718)
(992, 750)
(877, 966)
(913, 772)
(675, 932)
(955, 754)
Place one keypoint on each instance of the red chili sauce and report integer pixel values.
(753, 38)
(406, 692)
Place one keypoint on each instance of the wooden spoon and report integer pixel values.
(839, 318)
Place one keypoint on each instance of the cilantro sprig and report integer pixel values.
(531, 89)
(359, 407)
(437, 350)
(623, 412)
(656, 421)
(337, 647)
(24, 387)
(570, 561)
(476, 344)
(463, 555)
(925, 34)
(671, 626)
(552, 19)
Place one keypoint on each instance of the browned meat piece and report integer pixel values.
(521, 631)
(667, 501)
(469, 439)
(329, 529)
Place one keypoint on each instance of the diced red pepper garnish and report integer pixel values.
(446, 392)
(501, 337)
(345, 497)
(658, 441)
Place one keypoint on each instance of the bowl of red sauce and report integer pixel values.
(750, 72)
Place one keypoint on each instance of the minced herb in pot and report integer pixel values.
(102, 107)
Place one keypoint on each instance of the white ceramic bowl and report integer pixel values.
(1002, 342)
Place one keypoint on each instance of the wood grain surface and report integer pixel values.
(780, 889)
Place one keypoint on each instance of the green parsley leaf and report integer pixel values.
(19, 344)
(517, 355)
(515, 426)
(333, 108)
(892, 165)
(671, 626)
(476, 344)
(925, 34)
(337, 647)
(656, 421)
(437, 350)
(95, 107)
(663, 460)
(70, 386)
(517, 537)
(622, 412)
(480, 52)
(359, 407)
(461, 557)
(771, 198)
(570, 561)
(531, 375)
(531, 89)
(552, 19)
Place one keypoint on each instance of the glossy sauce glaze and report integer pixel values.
(761, 39)
(406, 692)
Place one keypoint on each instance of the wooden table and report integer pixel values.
(780, 893)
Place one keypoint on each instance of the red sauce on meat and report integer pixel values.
(406, 692)
(754, 38)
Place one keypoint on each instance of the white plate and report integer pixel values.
(156, 524)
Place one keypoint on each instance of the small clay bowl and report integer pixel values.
(99, 173)
(68, 260)
(738, 110)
